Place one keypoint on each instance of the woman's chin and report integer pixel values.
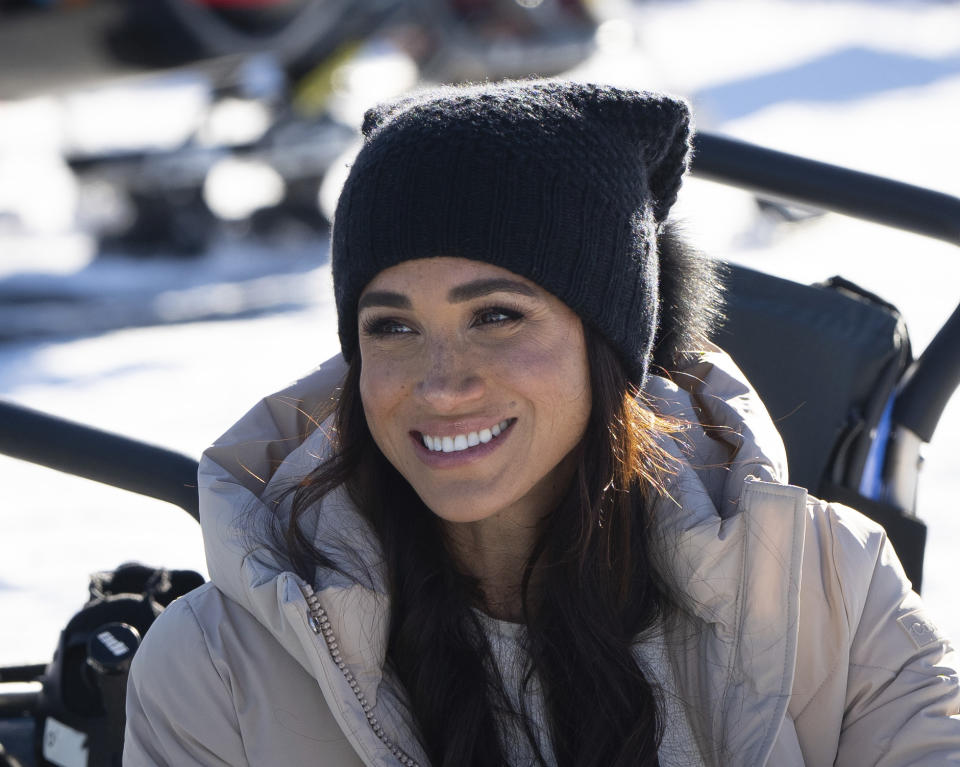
(456, 511)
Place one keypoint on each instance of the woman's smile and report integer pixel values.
(451, 451)
(475, 385)
(464, 440)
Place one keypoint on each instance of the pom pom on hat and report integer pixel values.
(563, 183)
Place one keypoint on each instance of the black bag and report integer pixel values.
(826, 360)
(80, 718)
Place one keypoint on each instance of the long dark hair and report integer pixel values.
(596, 590)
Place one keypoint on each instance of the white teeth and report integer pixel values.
(463, 441)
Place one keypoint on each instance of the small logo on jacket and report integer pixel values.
(920, 629)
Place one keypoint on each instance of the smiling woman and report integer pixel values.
(473, 354)
(532, 516)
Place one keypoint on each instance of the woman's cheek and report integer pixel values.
(558, 357)
(385, 387)
(377, 387)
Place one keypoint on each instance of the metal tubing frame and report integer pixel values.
(99, 455)
(933, 377)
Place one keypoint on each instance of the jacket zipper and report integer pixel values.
(320, 625)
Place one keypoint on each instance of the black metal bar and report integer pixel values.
(99, 455)
(935, 376)
(853, 193)
(931, 381)
(19, 699)
(28, 673)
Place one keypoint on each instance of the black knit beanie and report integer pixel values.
(563, 183)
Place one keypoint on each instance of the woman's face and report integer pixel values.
(475, 385)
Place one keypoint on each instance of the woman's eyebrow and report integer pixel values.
(485, 287)
(383, 298)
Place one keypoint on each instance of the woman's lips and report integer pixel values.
(461, 448)
(457, 442)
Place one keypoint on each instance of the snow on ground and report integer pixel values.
(871, 85)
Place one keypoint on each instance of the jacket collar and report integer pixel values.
(728, 527)
(731, 543)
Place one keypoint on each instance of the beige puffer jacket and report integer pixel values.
(800, 641)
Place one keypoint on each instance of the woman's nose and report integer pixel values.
(450, 380)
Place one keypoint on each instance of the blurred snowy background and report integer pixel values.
(165, 312)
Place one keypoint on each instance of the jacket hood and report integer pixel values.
(727, 453)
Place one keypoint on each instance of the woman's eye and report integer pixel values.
(497, 315)
(385, 327)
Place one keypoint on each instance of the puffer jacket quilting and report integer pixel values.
(798, 640)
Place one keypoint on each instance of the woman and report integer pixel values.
(501, 548)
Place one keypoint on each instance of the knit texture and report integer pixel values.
(565, 184)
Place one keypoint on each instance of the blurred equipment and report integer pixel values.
(244, 150)
(450, 39)
(73, 709)
(255, 101)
